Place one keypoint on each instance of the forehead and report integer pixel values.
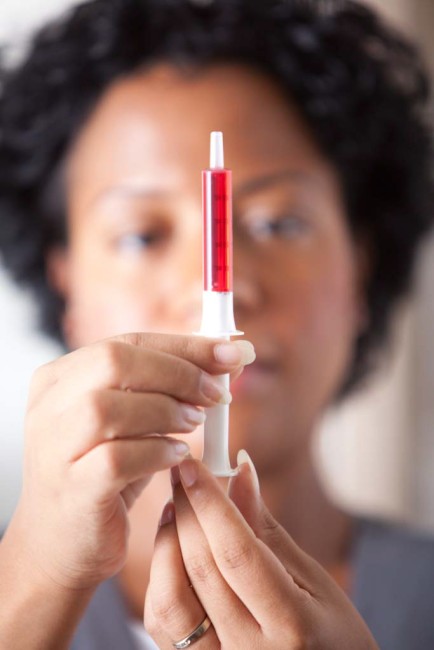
(160, 119)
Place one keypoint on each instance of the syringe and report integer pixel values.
(217, 302)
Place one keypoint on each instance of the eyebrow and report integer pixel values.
(131, 190)
(263, 182)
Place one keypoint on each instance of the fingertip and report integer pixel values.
(189, 472)
(234, 352)
(243, 458)
(237, 373)
(180, 448)
(247, 351)
(168, 514)
(174, 476)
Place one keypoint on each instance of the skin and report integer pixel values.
(133, 263)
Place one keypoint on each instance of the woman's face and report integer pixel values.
(134, 260)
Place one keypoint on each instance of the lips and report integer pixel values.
(256, 379)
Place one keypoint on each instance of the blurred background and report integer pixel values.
(376, 452)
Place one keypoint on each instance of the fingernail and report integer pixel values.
(235, 352)
(214, 390)
(188, 471)
(181, 448)
(192, 415)
(168, 514)
(174, 476)
(237, 373)
(243, 457)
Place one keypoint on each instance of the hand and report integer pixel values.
(258, 588)
(95, 435)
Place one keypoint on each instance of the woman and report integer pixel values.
(105, 128)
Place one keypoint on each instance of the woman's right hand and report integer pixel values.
(95, 435)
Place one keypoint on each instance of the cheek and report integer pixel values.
(330, 322)
(320, 296)
(317, 319)
(104, 302)
(335, 303)
(101, 314)
(331, 312)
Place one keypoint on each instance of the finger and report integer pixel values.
(133, 490)
(130, 361)
(236, 373)
(161, 638)
(108, 468)
(127, 368)
(246, 563)
(213, 355)
(244, 491)
(101, 416)
(174, 607)
(220, 602)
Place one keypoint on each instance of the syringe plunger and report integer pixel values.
(216, 155)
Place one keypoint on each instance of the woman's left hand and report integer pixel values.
(239, 567)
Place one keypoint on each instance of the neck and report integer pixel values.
(297, 500)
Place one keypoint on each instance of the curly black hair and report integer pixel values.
(360, 86)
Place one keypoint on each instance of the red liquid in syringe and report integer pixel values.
(217, 228)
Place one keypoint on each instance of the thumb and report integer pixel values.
(244, 491)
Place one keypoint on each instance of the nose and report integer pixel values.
(188, 283)
(248, 290)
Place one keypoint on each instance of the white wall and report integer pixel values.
(18, 19)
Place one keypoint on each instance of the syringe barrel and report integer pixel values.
(216, 436)
(217, 229)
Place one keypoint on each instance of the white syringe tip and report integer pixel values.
(216, 155)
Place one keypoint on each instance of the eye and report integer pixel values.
(285, 226)
(135, 242)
